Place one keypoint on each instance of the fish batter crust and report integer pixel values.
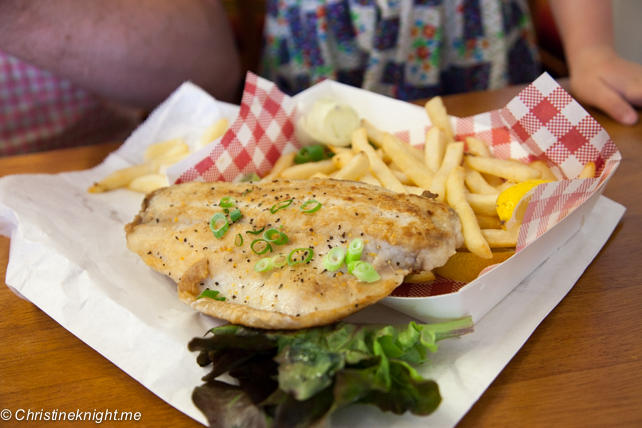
(401, 233)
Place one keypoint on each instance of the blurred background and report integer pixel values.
(627, 15)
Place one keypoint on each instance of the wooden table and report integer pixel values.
(582, 366)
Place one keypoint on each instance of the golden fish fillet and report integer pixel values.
(401, 234)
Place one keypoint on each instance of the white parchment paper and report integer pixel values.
(68, 256)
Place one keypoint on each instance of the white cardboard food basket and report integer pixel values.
(542, 122)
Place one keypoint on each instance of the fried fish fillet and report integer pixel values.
(401, 234)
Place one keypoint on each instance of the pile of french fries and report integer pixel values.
(150, 174)
(463, 174)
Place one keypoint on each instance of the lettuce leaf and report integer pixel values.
(298, 378)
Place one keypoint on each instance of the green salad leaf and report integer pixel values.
(297, 378)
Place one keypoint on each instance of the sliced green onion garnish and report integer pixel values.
(255, 232)
(228, 202)
(220, 230)
(265, 249)
(354, 250)
(316, 205)
(236, 215)
(334, 259)
(280, 205)
(292, 262)
(364, 271)
(276, 237)
(238, 241)
(263, 265)
(310, 154)
(272, 235)
(211, 294)
(279, 260)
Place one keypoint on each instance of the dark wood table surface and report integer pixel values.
(582, 367)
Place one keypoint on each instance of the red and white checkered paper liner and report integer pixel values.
(263, 130)
(543, 122)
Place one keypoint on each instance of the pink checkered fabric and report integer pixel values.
(542, 122)
(39, 111)
(263, 131)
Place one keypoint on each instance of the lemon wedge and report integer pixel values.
(509, 200)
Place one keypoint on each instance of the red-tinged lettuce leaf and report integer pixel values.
(226, 405)
(226, 360)
(258, 377)
(293, 413)
(234, 336)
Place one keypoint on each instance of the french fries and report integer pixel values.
(213, 132)
(148, 183)
(354, 169)
(588, 171)
(415, 169)
(337, 149)
(342, 159)
(452, 158)
(503, 168)
(477, 184)
(283, 162)
(547, 174)
(375, 136)
(377, 167)
(477, 147)
(482, 204)
(306, 170)
(473, 238)
(439, 118)
(434, 148)
(157, 157)
(167, 148)
(498, 238)
(401, 176)
(121, 178)
(370, 179)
